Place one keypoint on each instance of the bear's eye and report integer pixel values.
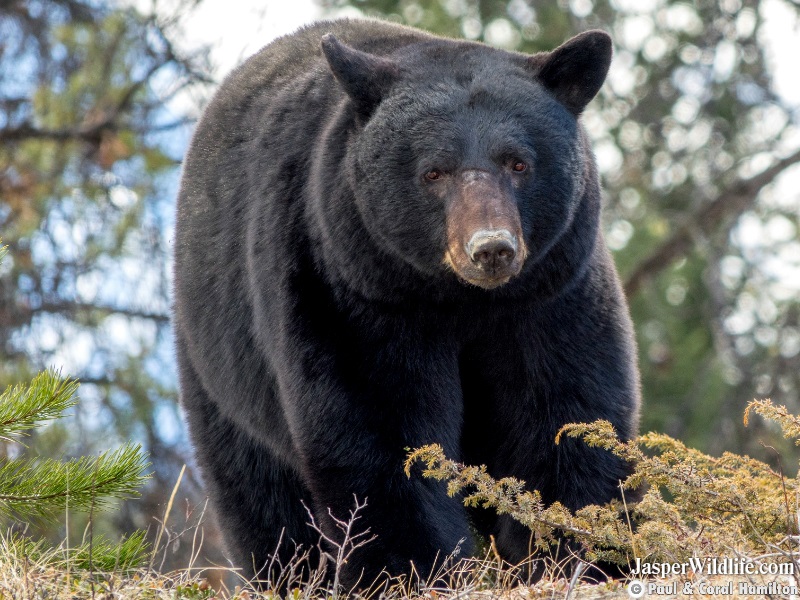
(518, 166)
(433, 175)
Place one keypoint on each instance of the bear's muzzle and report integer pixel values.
(485, 246)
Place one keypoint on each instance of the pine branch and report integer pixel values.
(24, 407)
(129, 553)
(40, 488)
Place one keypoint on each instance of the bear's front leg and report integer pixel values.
(355, 405)
(569, 361)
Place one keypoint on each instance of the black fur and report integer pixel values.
(319, 332)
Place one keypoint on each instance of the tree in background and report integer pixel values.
(90, 147)
(698, 154)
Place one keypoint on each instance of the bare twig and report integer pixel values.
(349, 544)
(576, 575)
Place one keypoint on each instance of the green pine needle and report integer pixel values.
(40, 488)
(44, 487)
(128, 554)
(101, 555)
(45, 398)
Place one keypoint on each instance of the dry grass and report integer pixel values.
(474, 579)
(52, 578)
(728, 507)
(33, 572)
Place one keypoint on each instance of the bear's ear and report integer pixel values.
(575, 71)
(365, 77)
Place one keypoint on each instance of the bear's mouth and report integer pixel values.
(486, 284)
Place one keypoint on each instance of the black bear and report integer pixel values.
(387, 239)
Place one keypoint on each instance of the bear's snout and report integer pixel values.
(492, 251)
(485, 246)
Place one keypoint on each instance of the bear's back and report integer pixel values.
(300, 51)
(284, 91)
(295, 56)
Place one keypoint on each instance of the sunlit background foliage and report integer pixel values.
(697, 142)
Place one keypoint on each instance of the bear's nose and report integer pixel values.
(493, 251)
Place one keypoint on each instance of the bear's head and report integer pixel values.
(466, 159)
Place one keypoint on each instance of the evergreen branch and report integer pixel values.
(790, 424)
(693, 504)
(127, 554)
(505, 496)
(23, 407)
(42, 487)
(130, 553)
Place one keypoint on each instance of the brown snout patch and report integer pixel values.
(485, 245)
